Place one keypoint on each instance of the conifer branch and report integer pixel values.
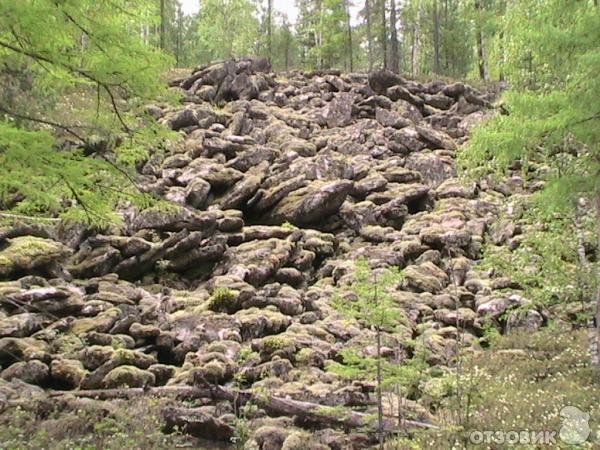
(38, 56)
(116, 109)
(86, 209)
(105, 85)
(82, 29)
(595, 116)
(42, 121)
(122, 171)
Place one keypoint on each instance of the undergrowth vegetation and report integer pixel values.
(130, 424)
(521, 384)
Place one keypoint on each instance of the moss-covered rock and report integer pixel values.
(22, 325)
(129, 376)
(102, 323)
(310, 357)
(257, 260)
(141, 331)
(271, 344)
(426, 277)
(278, 368)
(270, 437)
(32, 372)
(261, 322)
(27, 253)
(24, 349)
(94, 356)
(212, 367)
(223, 300)
(67, 372)
(133, 357)
(300, 440)
(162, 373)
(231, 349)
(212, 372)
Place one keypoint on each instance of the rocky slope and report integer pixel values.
(283, 182)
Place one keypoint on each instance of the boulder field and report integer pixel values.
(281, 182)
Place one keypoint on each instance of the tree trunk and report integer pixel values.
(414, 57)
(384, 35)
(379, 374)
(502, 55)
(349, 43)
(394, 56)
(320, 33)
(179, 33)
(163, 20)
(369, 35)
(481, 56)
(436, 38)
(287, 51)
(379, 393)
(446, 46)
(270, 29)
(597, 356)
(480, 46)
(594, 329)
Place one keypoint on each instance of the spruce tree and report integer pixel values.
(372, 304)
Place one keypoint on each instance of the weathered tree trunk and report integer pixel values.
(349, 42)
(163, 24)
(436, 38)
(379, 374)
(380, 427)
(502, 55)
(179, 37)
(594, 334)
(481, 56)
(579, 214)
(597, 355)
(446, 47)
(480, 44)
(414, 56)
(369, 35)
(287, 51)
(394, 53)
(384, 35)
(270, 29)
(320, 33)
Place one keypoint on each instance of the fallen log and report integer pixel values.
(307, 412)
(183, 392)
